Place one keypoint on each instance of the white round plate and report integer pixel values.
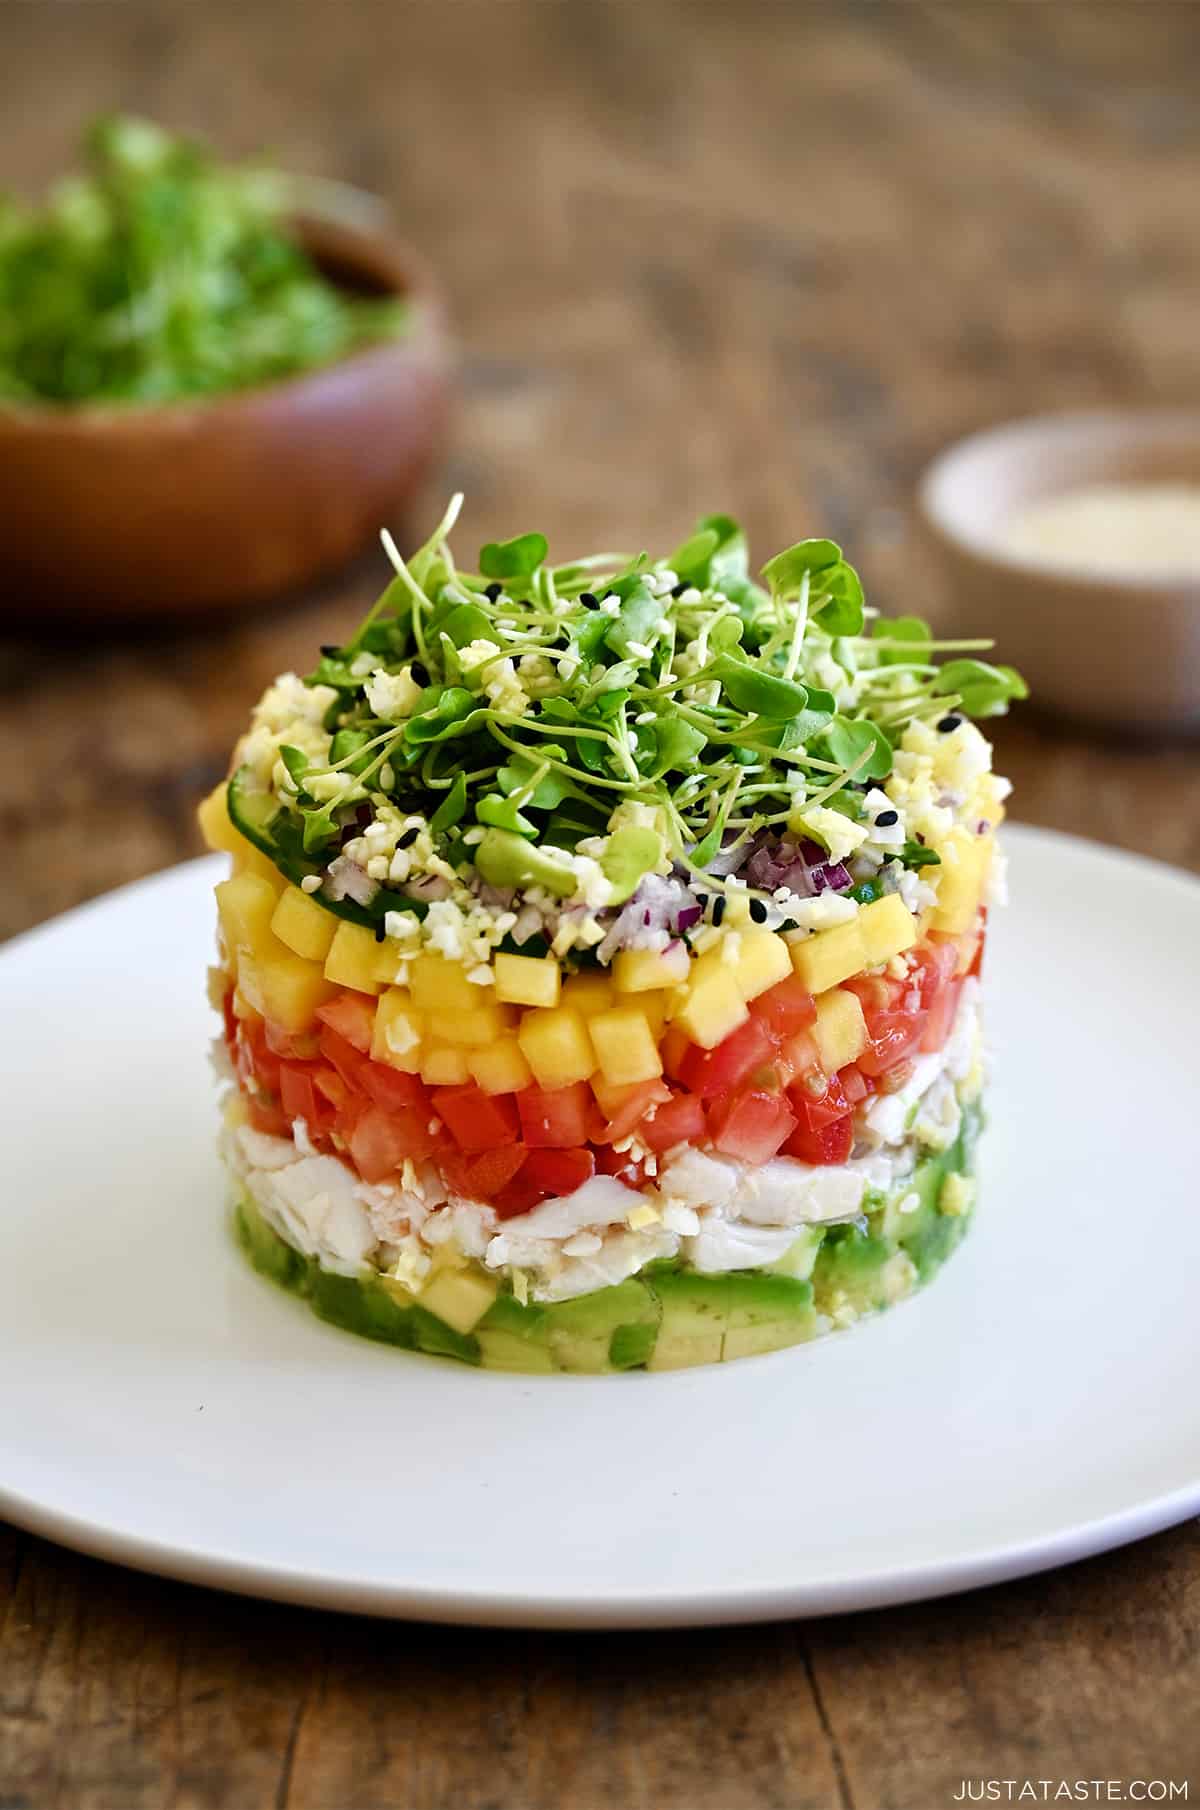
(162, 1405)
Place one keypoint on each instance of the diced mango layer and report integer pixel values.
(284, 988)
(353, 958)
(713, 1004)
(475, 1025)
(526, 980)
(397, 1037)
(643, 970)
(500, 1067)
(246, 904)
(960, 880)
(556, 1045)
(763, 959)
(840, 1031)
(887, 928)
(444, 1065)
(306, 927)
(588, 993)
(625, 1046)
(439, 985)
(829, 957)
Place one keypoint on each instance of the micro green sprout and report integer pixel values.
(683, 686)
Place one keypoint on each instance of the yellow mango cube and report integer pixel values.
(653, 1008)
(444, 1065)
(714, 1005)
(960, 880)
(352, 958)
(588, 993)
(829, 957)
(303, 925)
(439, 985)
(500, 1067)
(222, 835)
(645, 970)
(290, 990)
(555, 1043)
(887, 928)
(625, 1046)
(388, 958)
(527, 980)
(763, 960)
(459, 1297)
(397, 1036)
(246, 905)
(474, 1026)
(840, 1030)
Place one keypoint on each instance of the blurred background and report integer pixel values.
(758, 257)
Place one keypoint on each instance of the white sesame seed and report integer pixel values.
(311, 883)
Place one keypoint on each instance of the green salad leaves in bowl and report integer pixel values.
(214, 379)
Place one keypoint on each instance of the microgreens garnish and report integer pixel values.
(517, 708)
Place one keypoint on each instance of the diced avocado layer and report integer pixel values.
(668, 1317)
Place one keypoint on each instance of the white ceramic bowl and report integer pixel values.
(1097, 648)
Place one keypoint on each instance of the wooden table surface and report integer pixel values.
(759, 257)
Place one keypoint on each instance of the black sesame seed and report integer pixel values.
(948, 723)
(380, 933)
(409, 837)
(718, 910)
(758, 911)
(493, 591)
(885, 819)
(419, 673)
(677, 590)
(589, 600)
(329, 649)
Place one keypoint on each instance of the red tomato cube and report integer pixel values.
(378, 1144)
(831, 1143)
(477, 1121)
(352, 1016)
(750, 1125)
(388, 1087)
(786, 1007)
(680, 1120)
(718, 1071)
(557, 1118)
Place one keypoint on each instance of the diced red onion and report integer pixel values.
(345, 879)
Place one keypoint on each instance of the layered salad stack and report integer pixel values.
(600, 958)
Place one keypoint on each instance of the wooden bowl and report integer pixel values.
(193, 507)
(1099, 649)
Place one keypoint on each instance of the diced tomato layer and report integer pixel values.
(345, 1057)
(544, 1175)
(708, 1073)
(379, 1144)
(941, 1016)
(283, 1043)
(750, 1125)
(389, 1087)
(477, 1121)
(832, 1143)
(629, 1171)
(786, 1007)
(482, 1177)
(816, 1110)
(626, 1107)
(557, 1118)
(352, 1016)
(679, 1120)
(855, 1084)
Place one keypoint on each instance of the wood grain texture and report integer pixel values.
(765, 257)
